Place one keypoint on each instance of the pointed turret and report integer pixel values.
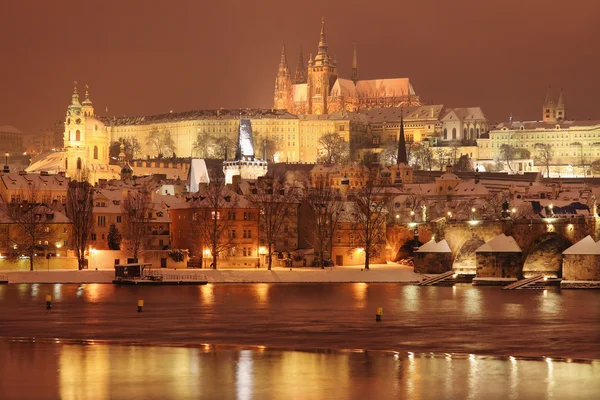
(283, 66)
(354, 66)
(549, 109)
(283, 84)
(549, 101)
(300, 76)
(88, 109)
(75, 96)
(322, 58)
(560, 108)
(401, 158)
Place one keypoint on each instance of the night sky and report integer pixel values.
(146, 57)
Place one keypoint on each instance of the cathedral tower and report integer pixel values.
(549, 110)
(322, 73)
(300, 76)
(283, 85)
(354, 66)
(561, 114)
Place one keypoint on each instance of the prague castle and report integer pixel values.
(317, 89)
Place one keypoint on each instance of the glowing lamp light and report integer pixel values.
(412, 224)
(207, 252)
(93, 251)
(360, 250)
(412, 213)
(514, 210)
(473, 209)
(262, 250)
(58, 245)
(397, 216)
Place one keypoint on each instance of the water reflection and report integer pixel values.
(207, 294)
(261, 291)
(74, 371)
(360, 294)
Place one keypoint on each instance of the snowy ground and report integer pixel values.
(390, 272)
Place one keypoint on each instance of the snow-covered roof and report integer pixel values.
(584, 246)
(343, 87)
(433, 247)
(395, 87)
(9, 129)
(500, 244)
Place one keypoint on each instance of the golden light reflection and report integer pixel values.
(207, 294)
(57, 291)
(243, 373)
(410, 298)
(473, 377)
(472, 303)
(35, 290)
(550, 379)
(262, 292)
(92, 291)
(514, 379)
(360, 294)
(83, 370)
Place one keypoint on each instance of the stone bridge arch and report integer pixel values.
(464, 260)
(544, 255)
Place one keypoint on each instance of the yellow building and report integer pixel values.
(575, 144)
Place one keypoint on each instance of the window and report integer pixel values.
(95, 152)
(101, 220)
(453, 133)
(77, 135)
(376, 140)
(231, 215)
(93, 236)
(78, 162)
(215, 215)
(445, 133)
(233, 233)
(119, 219)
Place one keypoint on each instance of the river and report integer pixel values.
(483, 337)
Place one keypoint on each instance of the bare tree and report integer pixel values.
(369, 205)
(333, 149)
(80, 208)
(31, 224)
(131, 147)
(215, 206)
(212, 146)
(326, 213)
(161, 143)
(544, 153)
(275, 200)
(442, 158)
(493, 207)
(137, 208)
(507, 155)
(424, 158)
(273, 145)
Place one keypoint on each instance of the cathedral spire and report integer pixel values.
(549, 100)
(300, 69)
(322, 58)
(87, 100)
(354, 66)
(561, 103)
(401, 159)
(283, 66)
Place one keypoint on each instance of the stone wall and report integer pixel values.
(581, 267)
(433, 263)
(499, 265)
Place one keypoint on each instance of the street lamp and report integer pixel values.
(473, 213)
(5, 158)
(412, 215)
(551, 210)
(449, 215)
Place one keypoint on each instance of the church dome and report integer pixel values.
(94, 126)
(126, 169)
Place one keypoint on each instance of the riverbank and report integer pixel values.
(378, 273)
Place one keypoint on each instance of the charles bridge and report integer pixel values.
(542, 241)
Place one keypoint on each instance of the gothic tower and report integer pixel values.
(549, 110)
(300, 76)
(354, 66)
(283, 85)
(322, 73)
(561, 114)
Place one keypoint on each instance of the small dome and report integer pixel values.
(126, 169)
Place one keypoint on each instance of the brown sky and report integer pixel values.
(145, 57)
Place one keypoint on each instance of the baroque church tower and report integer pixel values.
(322, 74)
(283, 85)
